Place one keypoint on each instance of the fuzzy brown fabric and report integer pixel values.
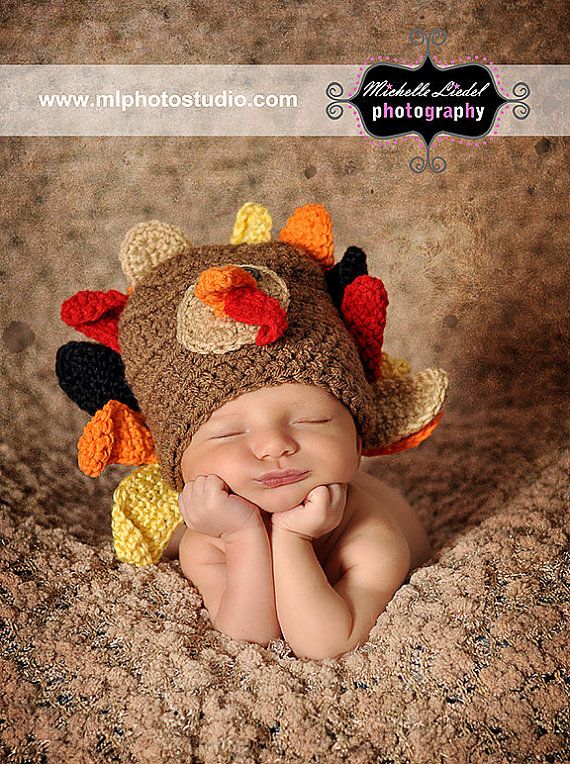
(102, 662)
(105, 662)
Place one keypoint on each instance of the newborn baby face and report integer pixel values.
(286, 427)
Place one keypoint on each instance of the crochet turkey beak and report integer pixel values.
(233, 292)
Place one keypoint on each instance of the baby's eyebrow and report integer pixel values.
(227, 415)
(215, 417)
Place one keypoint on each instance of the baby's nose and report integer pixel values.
(273, 443)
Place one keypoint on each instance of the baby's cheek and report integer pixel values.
(341, 471)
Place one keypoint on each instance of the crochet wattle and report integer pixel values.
(233, 292)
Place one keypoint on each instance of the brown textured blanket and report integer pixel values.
(104, 662)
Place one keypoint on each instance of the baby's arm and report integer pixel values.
(321, 621)
(247, 610)
(236, 585)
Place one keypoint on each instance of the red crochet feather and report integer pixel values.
(96, 315)
(363, 307)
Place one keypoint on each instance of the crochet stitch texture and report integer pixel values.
(199, 326)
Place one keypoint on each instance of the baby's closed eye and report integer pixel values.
(301, 421)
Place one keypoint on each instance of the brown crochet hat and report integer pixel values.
(202, 325)
(206, 324)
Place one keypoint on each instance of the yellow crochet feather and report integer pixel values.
(145, 514)
(252, 225)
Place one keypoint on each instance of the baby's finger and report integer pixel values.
(205, 484)
(318, 494)
(217, 483)
(186, 493)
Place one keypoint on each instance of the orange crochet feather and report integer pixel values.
(310, 228)
(115, 435)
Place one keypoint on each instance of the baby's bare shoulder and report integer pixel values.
(377, 503)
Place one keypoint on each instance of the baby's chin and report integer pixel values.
(281, 498)
(273, 508)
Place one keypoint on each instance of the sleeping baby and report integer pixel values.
(285, 536)
(248, 380)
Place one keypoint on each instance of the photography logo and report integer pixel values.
(392, 100)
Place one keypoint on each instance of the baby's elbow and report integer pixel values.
(333, 648)
(171, 550)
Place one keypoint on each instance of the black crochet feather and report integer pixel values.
(343, 273)
(91, 375)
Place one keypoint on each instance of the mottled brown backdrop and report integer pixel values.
(103, 662)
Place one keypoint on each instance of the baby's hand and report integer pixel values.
(320, 512)
(207, 507)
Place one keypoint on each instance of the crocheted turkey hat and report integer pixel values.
(201, 325)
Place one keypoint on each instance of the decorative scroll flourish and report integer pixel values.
(435, 37)
(335, 110)
(436, 164)
(520, 110)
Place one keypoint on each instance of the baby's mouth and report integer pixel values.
(285, 479)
